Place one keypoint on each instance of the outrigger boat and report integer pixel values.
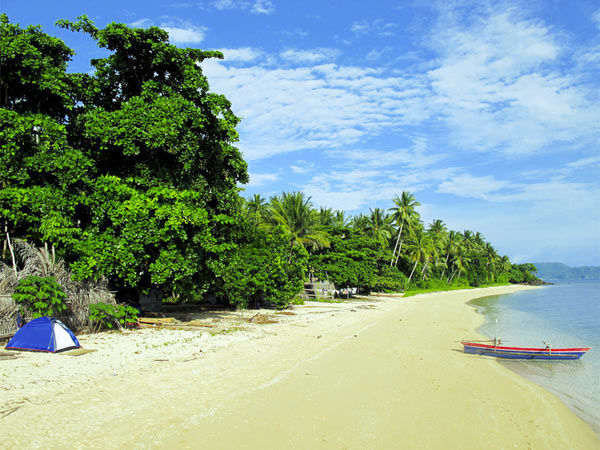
(499, 351)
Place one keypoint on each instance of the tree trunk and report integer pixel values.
(445, 264)
(396, 246)
(413, 270)
(424, 271)
(12, 253)
(451, 276)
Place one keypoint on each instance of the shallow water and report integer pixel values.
(565, 315)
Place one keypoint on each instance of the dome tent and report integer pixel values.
(44, 334)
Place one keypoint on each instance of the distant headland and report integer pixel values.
(560, 271)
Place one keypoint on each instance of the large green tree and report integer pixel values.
(131, 169)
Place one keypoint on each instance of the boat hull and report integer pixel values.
(524, 353)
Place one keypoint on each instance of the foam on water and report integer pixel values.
(565, 315)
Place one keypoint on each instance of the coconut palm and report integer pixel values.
(403, 214)
(379, 226)
(452, 242)
(359, 222)
(340, 219)
(294, 213)
(419, 249)
(505, 264)
(256, 208)
(460, 262)
(438, 233)
(326, 217)
(491, 256)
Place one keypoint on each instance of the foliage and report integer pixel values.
(104, 315)
(350, 261)
(42, 296)
(263, 271)
(389, 279)
(293, 212)
(130, 170)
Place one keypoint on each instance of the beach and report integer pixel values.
(380, 372)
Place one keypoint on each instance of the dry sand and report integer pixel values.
(378, 373)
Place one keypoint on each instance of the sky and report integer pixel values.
(488, 112)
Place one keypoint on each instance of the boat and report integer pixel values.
(546, 353)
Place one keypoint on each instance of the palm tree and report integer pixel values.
(294, 213)
(326, 217)
(359, 222)
(256, 207)
(490, 256)
(340, 219)
(505, 264)
(419, 249)
(379, 226)
(460, 262)
(403, 213)
(437, 230)
(452, 240)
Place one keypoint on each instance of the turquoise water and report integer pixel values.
(565, 315)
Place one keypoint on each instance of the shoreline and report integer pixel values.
(369, 373)
(576, 400)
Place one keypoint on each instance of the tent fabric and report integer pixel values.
(45, 334)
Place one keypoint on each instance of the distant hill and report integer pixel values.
(560, 271)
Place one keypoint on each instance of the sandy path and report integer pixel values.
(388, 375)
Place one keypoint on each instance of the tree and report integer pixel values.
(300, 222)
(379, 226)
(257, 208)
(130, 169)
(403, 213)
(419, 250)
(259, 272)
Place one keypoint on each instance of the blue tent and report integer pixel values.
(44, 334)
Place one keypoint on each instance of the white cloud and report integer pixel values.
(255, 7)
(302, 167)
(414, 157)
(263, 7)
(188, 35)
(584, 162)
(244, 54)
(497, 88)
(313, 106)
(377, 26)
(466, 185)
(596, 18)
(310, 55)
(260, 179)
(180, 32)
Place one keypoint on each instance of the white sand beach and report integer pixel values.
(375, 373)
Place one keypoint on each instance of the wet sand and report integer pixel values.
(382, 373)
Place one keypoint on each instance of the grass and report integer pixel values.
(412, 292)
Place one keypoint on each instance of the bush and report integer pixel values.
(389, 279)
(433, 283)
(266, 271)
(104, 315)
(42, 296)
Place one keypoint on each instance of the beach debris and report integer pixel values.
(261, 319)
(8, 355)
(77, 352)
(8, 412)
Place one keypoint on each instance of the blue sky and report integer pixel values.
(488, 112)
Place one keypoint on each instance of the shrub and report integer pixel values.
(104, 315)
(42, 296)
(266, 271)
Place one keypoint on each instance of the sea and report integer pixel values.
(566, 314)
